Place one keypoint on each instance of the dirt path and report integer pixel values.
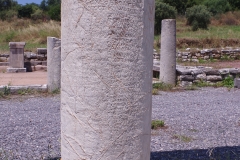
(29, 78)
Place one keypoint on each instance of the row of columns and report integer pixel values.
(106, 77)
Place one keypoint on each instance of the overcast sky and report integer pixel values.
(28, 1)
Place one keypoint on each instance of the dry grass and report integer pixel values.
(33, 33)
(222, 32)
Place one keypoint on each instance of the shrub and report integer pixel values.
(217, 6)
(198, 17)
(38, 14)
(163, 11)
(25, 11)
(179, 5)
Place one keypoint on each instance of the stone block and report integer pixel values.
(42, 51)
(16, 70)
(237, 83)
(213, 78)
(212, 72)
(186, 78)
(201, 77)
(16, 54)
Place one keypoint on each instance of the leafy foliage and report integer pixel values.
(235, 4)
(217, 6)
(198, 17)
(25, 11)
(163, 11)
(55, 12)
(179, 5)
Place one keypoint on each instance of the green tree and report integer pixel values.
(25, 11)
(7, 4)
(180, 5)
(217, 6)
(235, 4)
(163, 11)
(55, 12)
(191, 3)
(198, 17)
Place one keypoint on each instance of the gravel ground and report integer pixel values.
(201, 124)
(30, 128)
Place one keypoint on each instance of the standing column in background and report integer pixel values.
(53, 63)
(168, 52)
(106, 79)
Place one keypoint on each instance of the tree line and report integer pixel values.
(48, 9)
(197, 12)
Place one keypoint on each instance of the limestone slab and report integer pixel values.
(16, 70)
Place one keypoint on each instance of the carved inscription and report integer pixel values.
(105, 71)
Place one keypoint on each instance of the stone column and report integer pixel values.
(53, 63)
(168, 52)
(16, 59)
(106, 79)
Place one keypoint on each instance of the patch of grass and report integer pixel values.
(207, 84)
(56, 91)
(228, 82)
(6, 91)
(157, 124)
(182, 138)
(154, 91)
(192, 88)
(162, 86)
(24, 91)
(201, 60)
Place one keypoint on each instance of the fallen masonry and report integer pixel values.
(187, 75)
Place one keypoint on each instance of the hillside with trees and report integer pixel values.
(48, 9)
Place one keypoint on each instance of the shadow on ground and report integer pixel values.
(218, 153)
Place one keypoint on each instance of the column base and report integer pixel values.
(16, 70)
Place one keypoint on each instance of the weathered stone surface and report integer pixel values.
(201, 77)
(156, 68)
(14, 89)
(186, 78)
(183, 71)
(16, 70)
(224, 71)
(16, 56)
(168, 52)
(106, 79)
(185, 83)
(214, 78)
(237, 83)
(42, 51)
(212, 72)
(4, 63)
(196, 71)
(54, 63)
(234, 71)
